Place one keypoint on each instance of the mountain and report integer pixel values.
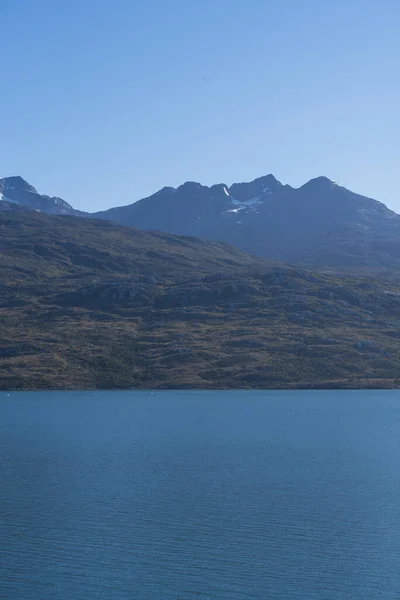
(319, 225)
(15, 191)
(91, 304)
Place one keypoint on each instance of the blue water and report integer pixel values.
(200, 495)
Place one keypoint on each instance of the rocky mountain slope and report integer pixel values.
(16, 193)
(90, 304)
(320, 225)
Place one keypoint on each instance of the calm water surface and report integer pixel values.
(200, 495)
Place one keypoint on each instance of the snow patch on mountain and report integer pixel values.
(4, 199)
(241, 205)
(246, 203)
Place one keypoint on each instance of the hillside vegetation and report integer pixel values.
(91, 304)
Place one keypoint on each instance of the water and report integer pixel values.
(200, 495)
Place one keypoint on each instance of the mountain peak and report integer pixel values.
(268, 178)
(263, 186)
(319, 182)
(16, 182)
(17, 191)
(191, 185)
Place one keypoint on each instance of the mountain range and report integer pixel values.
(320, 225)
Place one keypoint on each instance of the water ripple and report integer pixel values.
(214, 496)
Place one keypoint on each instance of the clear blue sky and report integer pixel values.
(105, 102)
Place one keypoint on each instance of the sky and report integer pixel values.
(103, 103)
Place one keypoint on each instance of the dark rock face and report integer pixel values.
(320, 224)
